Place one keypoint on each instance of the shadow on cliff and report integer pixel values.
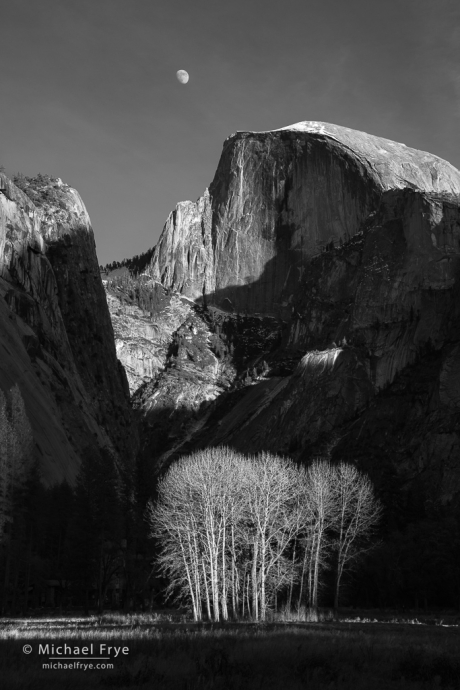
(314, 311)
(251, 331)
(88, 327)
(272, 294)
(291, 286)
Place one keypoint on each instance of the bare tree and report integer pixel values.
(223, 522)
(198, 523)
(356, 514)
(271, 506)
(318, 517)
(173, 524)
(235, 531)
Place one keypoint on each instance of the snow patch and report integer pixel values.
(318, 362)
(189, 299)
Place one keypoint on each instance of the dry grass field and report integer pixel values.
(169, 652)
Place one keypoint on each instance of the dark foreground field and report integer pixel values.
(170, 654)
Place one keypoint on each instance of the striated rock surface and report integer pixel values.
(277, 200)
(139, 345)
(350, 244)
(56, 337)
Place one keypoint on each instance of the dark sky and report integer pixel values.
(88, 90)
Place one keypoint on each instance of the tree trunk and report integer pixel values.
(234, 590)
(224, 582)
(247, 595)
(208, 603)
(299, 603)
(215, 590)
(316, 573)
(192, 593)
(263, 603)
(338, 577)
(291, 588)
(234, 580)
(255, 601)
(196, 576)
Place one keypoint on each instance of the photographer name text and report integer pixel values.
(94, 651)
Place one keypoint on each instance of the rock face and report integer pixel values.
(351, 245)
(56, 337)
(136, 341)
(277, 200)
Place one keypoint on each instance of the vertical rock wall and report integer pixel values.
(56, 335)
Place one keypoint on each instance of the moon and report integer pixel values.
(182, 76)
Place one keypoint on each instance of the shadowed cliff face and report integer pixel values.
(351, 244)
(56, 335)
(370, 316)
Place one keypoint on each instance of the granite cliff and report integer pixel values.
(279, 199)
(56, 337)
(324, 264)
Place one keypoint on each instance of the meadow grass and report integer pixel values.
(170, 652)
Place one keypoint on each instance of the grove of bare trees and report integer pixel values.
(237, 535)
